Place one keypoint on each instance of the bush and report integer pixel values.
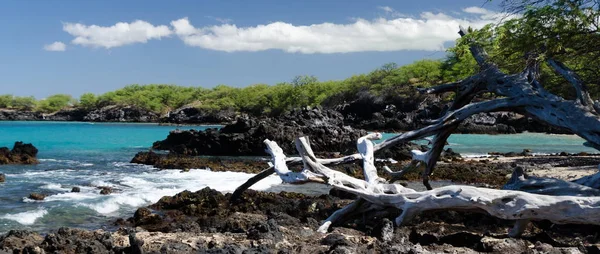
(55, 103)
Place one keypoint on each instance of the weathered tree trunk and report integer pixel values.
(523, 199)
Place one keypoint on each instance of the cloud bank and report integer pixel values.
(120, 34)
(429, 31)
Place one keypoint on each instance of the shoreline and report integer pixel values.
(266, 221)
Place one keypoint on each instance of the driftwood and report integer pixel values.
(506, 204)
(523, 199)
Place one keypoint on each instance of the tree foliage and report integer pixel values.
(55, 103)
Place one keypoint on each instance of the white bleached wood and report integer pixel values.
(505, 204)
(592, 181)
(365, 148)
(551, 186)
(280, 166)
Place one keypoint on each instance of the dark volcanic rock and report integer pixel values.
(121, 114)
(325, 128)
(37, 196)
(69, 240)
(212, 211)
(16, 240)
(192, 115)
(405, 112)
(174, 161)
(105, 190)
(75, 114)
(20, 154)
(75, 189)
(16, 115)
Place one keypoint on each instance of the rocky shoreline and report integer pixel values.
(21, 153)
(366, 112)
(266, 222)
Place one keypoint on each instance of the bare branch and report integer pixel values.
(581, 89)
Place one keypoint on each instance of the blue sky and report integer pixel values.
(74, 47)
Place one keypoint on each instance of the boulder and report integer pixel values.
(105, 190)
(37, 196)
(21, 153)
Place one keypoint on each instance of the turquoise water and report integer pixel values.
(92, 155)
(479, 144)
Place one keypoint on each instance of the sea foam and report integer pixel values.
(26, 218)
(148, 187)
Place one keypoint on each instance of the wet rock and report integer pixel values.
(105, 190)
(37, 196)
(75, 189)
(143, 216)
(172, 161)
(21, 153)
(2, 178)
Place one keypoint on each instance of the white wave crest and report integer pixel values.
(26, 218)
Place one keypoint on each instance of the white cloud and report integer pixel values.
(391, 12)
(386, 8)
(117, 35)
(220, 20)
(476, 10)
(428, 32)
(55, 46)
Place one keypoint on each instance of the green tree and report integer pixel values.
(6, 101)
(88, 101)
(23, 103)
(55, 103)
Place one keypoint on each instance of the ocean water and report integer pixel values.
(91, 155)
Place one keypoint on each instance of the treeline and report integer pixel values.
(253, 99)
(564, 30)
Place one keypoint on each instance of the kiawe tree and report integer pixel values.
(523, 198)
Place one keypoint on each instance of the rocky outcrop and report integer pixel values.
(73, 114)
(16, 115)
(193, 115)
(20, 154)
(393, 114)
(174, 161)
(116, 113)
(245, 137)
